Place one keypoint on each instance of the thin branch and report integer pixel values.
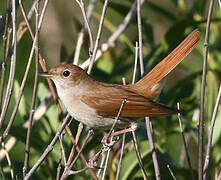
(89, 135)
(121, 28)
(101, 164)
(6, 44)
(103, 149)
(34, 95)
(106, 161)
(171, 172)
(48, 149)
(12, 67)
(6, 38)
(41, 60)
(202, 95)
(135, 62)
(184, 142)
(93, 57)
(152, 148)
(121, 157)
(78, 150)
(62, 149)
(210, 135)
(67, 170)
(58, 171)
(10, 123)
(9, 161)
(23, 26)
(86, 21)
(183, 151)
(147, 119)
(139, 24)
(77, 172)
(124, 134)
(79, 131)
(90, 9)
(116, 119)
(138, 155)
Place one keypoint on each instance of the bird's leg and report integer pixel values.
(92, 162)
(105, 139)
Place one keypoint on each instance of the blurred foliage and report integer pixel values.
(165, 24)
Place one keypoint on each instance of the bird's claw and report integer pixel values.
(108, 144)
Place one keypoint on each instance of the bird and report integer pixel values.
(96, 104)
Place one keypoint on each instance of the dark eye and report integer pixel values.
(66, 73)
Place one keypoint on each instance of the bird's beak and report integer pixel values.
(45, 74)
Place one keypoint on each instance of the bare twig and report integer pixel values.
(58, 171)
(89, 135)
(86, 21)
(138, 155)
(139, 24)
(121, 157)
(184, 142)
(62, 149)
(124, 134)
(48, 149)
(10, 123)
(67, 170)
(9, 161)
(183, 152)
(93, 57)
(202, 95)
(115, 35)
(135, 62)
(23, 26)
(152, 147)
(12, 67)
(78, 150)
(77, 172)
(90, 9)
(101, 164)
(171, 172)
(79, 131)
(147, 119)
(6, 38)
(210, 135)
(41, 60)
(116, 119)
(106, 161)
(103, 149)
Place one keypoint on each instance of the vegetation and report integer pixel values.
(164, 25)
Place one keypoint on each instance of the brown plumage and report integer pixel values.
(96, 104)
(107, 99)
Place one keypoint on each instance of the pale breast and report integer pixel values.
(81, 111)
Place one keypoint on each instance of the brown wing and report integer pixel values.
(108, 98)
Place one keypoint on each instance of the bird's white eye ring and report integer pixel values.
(66, 73)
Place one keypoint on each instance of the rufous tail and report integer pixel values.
(148, 86)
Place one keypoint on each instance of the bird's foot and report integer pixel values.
(92, 162)
(108, 144)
